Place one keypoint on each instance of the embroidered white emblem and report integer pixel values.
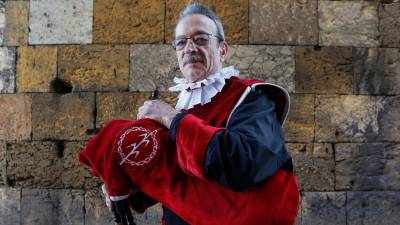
(130, 152)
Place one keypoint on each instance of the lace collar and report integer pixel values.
(201, 92)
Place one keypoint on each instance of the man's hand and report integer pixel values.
(158, 111)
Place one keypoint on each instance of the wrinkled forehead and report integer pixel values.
(195, 24)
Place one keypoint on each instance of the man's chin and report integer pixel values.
(194, 74)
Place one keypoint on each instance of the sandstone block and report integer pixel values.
(152, 64)
(233, 14)
(36, 68)
(60, 22)
(173, 8)
(390, 24)
(283, 22)
(10, 205)
(299, 126)
(346, 118)
(357, 118)
(33, 164)
(128, 21)
(47, 206)
(7, 69)
(327, 70)
(2, 21)
(65, 117)
(274, 64)
(314, 166)
(124, 105)
(372, 208)
(15, 117)
(16, 32)
(377, 71)
(369, 166)
(73, 173)
(324, 208)
(389, 118)
(3, 163)
(348, 23)
(94, 67)
(47, 164)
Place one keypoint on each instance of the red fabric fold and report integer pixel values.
(194, 135)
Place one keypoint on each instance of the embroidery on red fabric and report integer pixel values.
(142, 151)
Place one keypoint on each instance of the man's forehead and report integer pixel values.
(195, 24)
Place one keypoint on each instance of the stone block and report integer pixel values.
(16, 32)
(152, 64)
(98, 214)
(327, 70)
(377, 71)
(36, 68)
(3, 163)
(7, 69)
(348, 23)
(33, 164)
(49, 206)
(299, 126)
(347, 118)
(94, 67)
(390, 24)
(314, 165)
(15, 117)
(73, 173)
(370, 208)
(60, 22)
(47, 165)
(357, 118)
(173, 8)
(233, 14)
(128, 21)
(62, 117)
(10, 206)
(324, 208)
(2, 21)
(124, 105)
(274, 64)
(368, 166)
(283, 22)
(388, 117)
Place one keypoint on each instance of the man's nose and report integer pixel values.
(190, 46)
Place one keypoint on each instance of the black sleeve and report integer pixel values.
(250, 149)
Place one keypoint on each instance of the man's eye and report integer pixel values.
(201, 39)
(181, 42)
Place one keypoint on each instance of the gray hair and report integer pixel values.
(199, 9)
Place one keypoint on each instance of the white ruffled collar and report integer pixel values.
(201, 92)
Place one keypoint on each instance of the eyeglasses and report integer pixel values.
(201, 39)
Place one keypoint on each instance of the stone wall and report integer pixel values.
(67, 67)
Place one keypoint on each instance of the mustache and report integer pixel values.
(192, 58)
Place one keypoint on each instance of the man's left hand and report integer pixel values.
(157, 110)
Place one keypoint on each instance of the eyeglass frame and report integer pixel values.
(191, 38)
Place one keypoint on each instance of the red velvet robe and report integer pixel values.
(175, 175)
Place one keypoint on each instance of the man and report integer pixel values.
(226, 130)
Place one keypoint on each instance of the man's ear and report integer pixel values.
(223, 51)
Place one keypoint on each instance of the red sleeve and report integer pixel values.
(192, 138)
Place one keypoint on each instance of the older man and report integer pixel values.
(226, 130)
